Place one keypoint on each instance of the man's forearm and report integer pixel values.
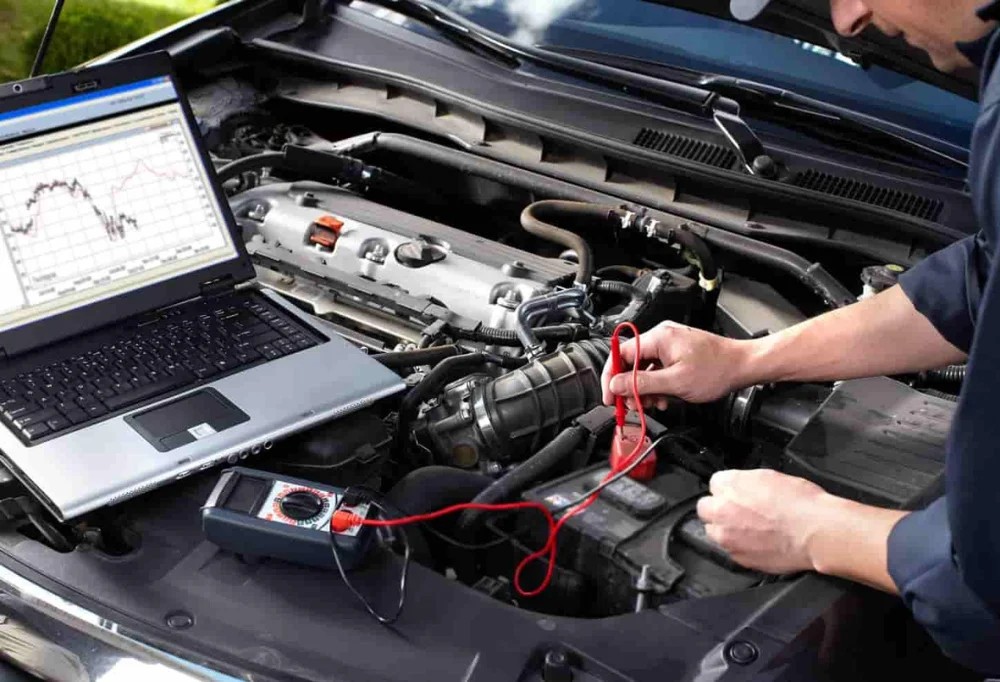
(881, 335)
(853, 543)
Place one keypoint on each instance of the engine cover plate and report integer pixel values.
(340, 233)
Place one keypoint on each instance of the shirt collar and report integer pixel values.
(990, 11)
(975, 50)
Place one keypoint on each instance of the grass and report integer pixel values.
(87, 29)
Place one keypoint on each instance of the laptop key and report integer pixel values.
(95, 410)
(34, 417)
(245, 355)
(261, 339)
(204, 371)
(104, 393)
(15, 408)
(125, 399)
(35, 431)
(76, 416)
(58, 423)
(269, 351)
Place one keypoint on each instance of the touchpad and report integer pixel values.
(198, 415)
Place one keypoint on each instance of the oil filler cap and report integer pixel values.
(420, 253)
(325, 231)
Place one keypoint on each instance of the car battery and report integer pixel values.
(632, 525)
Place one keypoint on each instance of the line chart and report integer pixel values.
(114, 223)
(82, 213)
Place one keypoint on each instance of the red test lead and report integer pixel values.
(616, 369)
(629, 442)
(629, 439)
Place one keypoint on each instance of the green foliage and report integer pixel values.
(91, 28)
(17, 20)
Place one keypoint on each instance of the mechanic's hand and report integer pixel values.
(765, 519)
(679, 361)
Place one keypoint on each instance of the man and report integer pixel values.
(944, 560)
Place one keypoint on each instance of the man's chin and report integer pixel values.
(949, 63)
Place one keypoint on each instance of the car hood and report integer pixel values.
(809, 20)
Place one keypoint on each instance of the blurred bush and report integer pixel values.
(89, 29)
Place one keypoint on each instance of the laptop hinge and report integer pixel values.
(215, 287)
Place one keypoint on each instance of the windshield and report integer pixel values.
(644, 30)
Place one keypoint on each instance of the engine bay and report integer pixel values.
(493, 292)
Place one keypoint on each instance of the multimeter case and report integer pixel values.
(235, 517)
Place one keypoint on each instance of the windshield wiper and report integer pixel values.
(705, 102)
(792, 108)
(461, 30)
(453, 28)
(811, 116)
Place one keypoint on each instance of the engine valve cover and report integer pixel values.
(345, 235)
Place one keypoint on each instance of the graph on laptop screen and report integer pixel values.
(101, 194)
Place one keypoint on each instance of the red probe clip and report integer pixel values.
(629, 439)
(616, 369)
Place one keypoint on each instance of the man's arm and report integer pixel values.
(781, 524)
(809, 530)
(885, 334)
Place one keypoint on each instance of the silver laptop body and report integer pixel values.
(105, 130)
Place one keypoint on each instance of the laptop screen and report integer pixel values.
(100, 194)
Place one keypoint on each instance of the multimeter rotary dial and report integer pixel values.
(301, 505)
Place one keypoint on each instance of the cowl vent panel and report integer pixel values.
(865, 192)
(684, 147)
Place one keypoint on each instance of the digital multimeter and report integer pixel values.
(255, 513)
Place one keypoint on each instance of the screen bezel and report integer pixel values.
(33, 335)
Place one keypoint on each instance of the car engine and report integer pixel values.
(494, 293)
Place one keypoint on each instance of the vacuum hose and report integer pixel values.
(538, 219)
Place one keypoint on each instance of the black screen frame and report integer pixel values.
(33, 335)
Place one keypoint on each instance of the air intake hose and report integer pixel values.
(512, 417)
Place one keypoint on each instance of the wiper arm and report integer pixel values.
(770, 99)
(725, 112)
(453, 28)
(804, 109)
(678, 95)
(691, 98)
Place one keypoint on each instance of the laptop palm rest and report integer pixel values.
(182, 421)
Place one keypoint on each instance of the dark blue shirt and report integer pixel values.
(946, 559)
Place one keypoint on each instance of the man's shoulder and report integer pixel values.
(989, 82)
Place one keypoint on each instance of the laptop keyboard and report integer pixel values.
(185, 345)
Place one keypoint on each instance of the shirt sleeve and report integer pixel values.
(922, 564)
(946, 288)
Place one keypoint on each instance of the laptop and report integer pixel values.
(135, 348)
